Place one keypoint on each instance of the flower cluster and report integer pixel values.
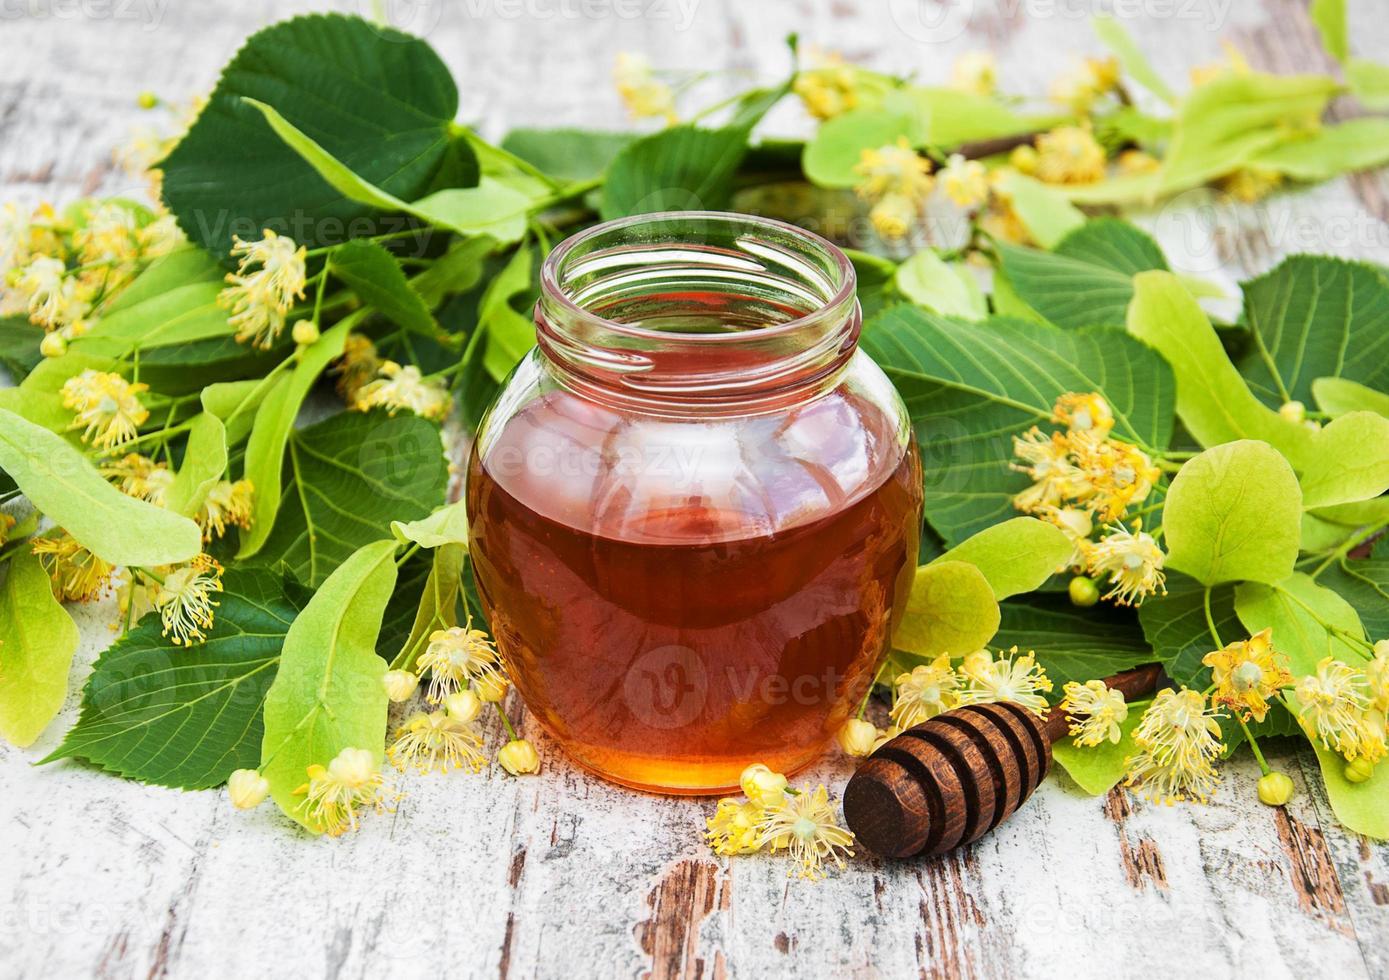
(642, 93)
(397, 387)
(1178, 741)
(270, 276)
(1095, 711)
(1084, 477)
(897, 181)
(778, 818)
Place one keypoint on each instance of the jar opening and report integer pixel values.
(697, 306)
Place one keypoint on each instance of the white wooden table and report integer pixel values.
(561, 875)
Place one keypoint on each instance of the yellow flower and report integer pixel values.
(856, 737)
(965, 182)
(1133, 561)
(160, 237)
(226, 505)
(1234, 64)
(762, 786)
(828, 88)
(107, 406)
(334, 793)
(1247, 673)
(1250, 184)
(184, 600)
(398, 388)
(1047, 459)
(897, 169)
(733, 827)
(976, 72)
(358, 365)
(247, 789)
(892, 217)
(1336, 709)
(436, 738)
(1080, 87)
(1376, 674)
(491, 687)
(1002, 222)
(1019, 679)
(462, 705)
(1069, 155)
(639, 89)
(77, 574)
(1023, 159)
(400, 684)
(1076, 524)
(924, 693)
(884, 736)
(50, 296)
(259, 298)
(1085, 413)
(1121, 474)
(806, 825)
(1134, 162)
(456, 657)
(1178, 740)
(139, 476)
(519, 757)
(1095, 711)
(108, 236)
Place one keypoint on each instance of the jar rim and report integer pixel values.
(553, 291)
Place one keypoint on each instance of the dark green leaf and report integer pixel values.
(376, 277)
(1073, 644)
(19, 346)
(188, 716)
(678, 169)
(1364, 583)
(1175, 624)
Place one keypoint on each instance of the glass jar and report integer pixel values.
(695, 505)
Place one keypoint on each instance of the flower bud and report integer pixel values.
(305, 332)
(885, 736)
(463, 706)
(1084, 592)
(147, 100)
(1358, 770)
(762, 786)
(400, 684)
(1293, 411)
(519, 757)
(490, 687)
(247, 788)
(53, 345)
(856, 737)
(1275, 789)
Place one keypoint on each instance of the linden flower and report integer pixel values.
(733, 829)
(334, 793)
(1086, 82)
(184, 600)
(827, 89)
(48, 294)
(1077, 526)
(924, 693)
(1056, 477)
(1133, 561)
(805, 824)
(856, 737)
(1019, 679)
(247, 789)
(141, 477)
(357, 366)
(1095, 711)
(1178, 739)
(1234, 64)
(639, 89)
(1251, 184)
(259, 298)
(1376, 673)
(399, 388)
(160, 237)
(1085, 413)
(895, 168)
(519, 757)
(1121, 474)
(77, 574)
(1247, 673)
(456, 657)
(1336, 710)
(226, 505)
(1133, 162)
(1069, 155)
(965, 182)
(436, 738)
(892, 217)
(762, 786)
(975, 71)
(1002, 222)
(109, 236)
(107, 406)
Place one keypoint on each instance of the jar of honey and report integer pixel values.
(695, 505)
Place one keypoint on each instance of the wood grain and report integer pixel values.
(559, 875)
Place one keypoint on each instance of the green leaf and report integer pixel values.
(1338, 396)
(1349, 461)
(37, 641)
(1098, 769)
(1222, 124)
(1213, 401)
(947, 288)
(678, 169)
(235, 403)
(19, 346)
(1234, 513)
(1175, 625)
(377, 102)
(1044, 211)
(1315, 317)
(65, 486)
(1112, 33)
(1016, 556)
(834, 151)
(971, 387)
(187, 716)
(1362, 808)
(265, 453)
(1329, 16)
(438, 603)
(567, 154)
(951, 609)
(509, 334)
(173, 302)
(951, 117)
(456, 271)
(1358, 144)
(350, 476)
(1072, 644)
(447, 525)
(1369, 81)
(375, 275)
(328, 693)
(1364, 583)
(204, 463)
(1088, 280)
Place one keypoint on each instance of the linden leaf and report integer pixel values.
(204, 462)
(949, 288)
(1044, 211)
(1234, 513)
(37, 641)
(1339, 396)
(447, 525)
(951, 609)
(1016, 556)
(1349, 461)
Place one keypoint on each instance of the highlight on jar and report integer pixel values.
(695, 506)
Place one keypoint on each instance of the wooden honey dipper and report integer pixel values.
(954, 778)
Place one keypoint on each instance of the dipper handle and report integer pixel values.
(952, 779)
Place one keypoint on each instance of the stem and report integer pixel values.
(407, 556)
(1210, 620)
(506, 721)
(863, 705)
(1254, 745)
(1348, 546)
(164, 434)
